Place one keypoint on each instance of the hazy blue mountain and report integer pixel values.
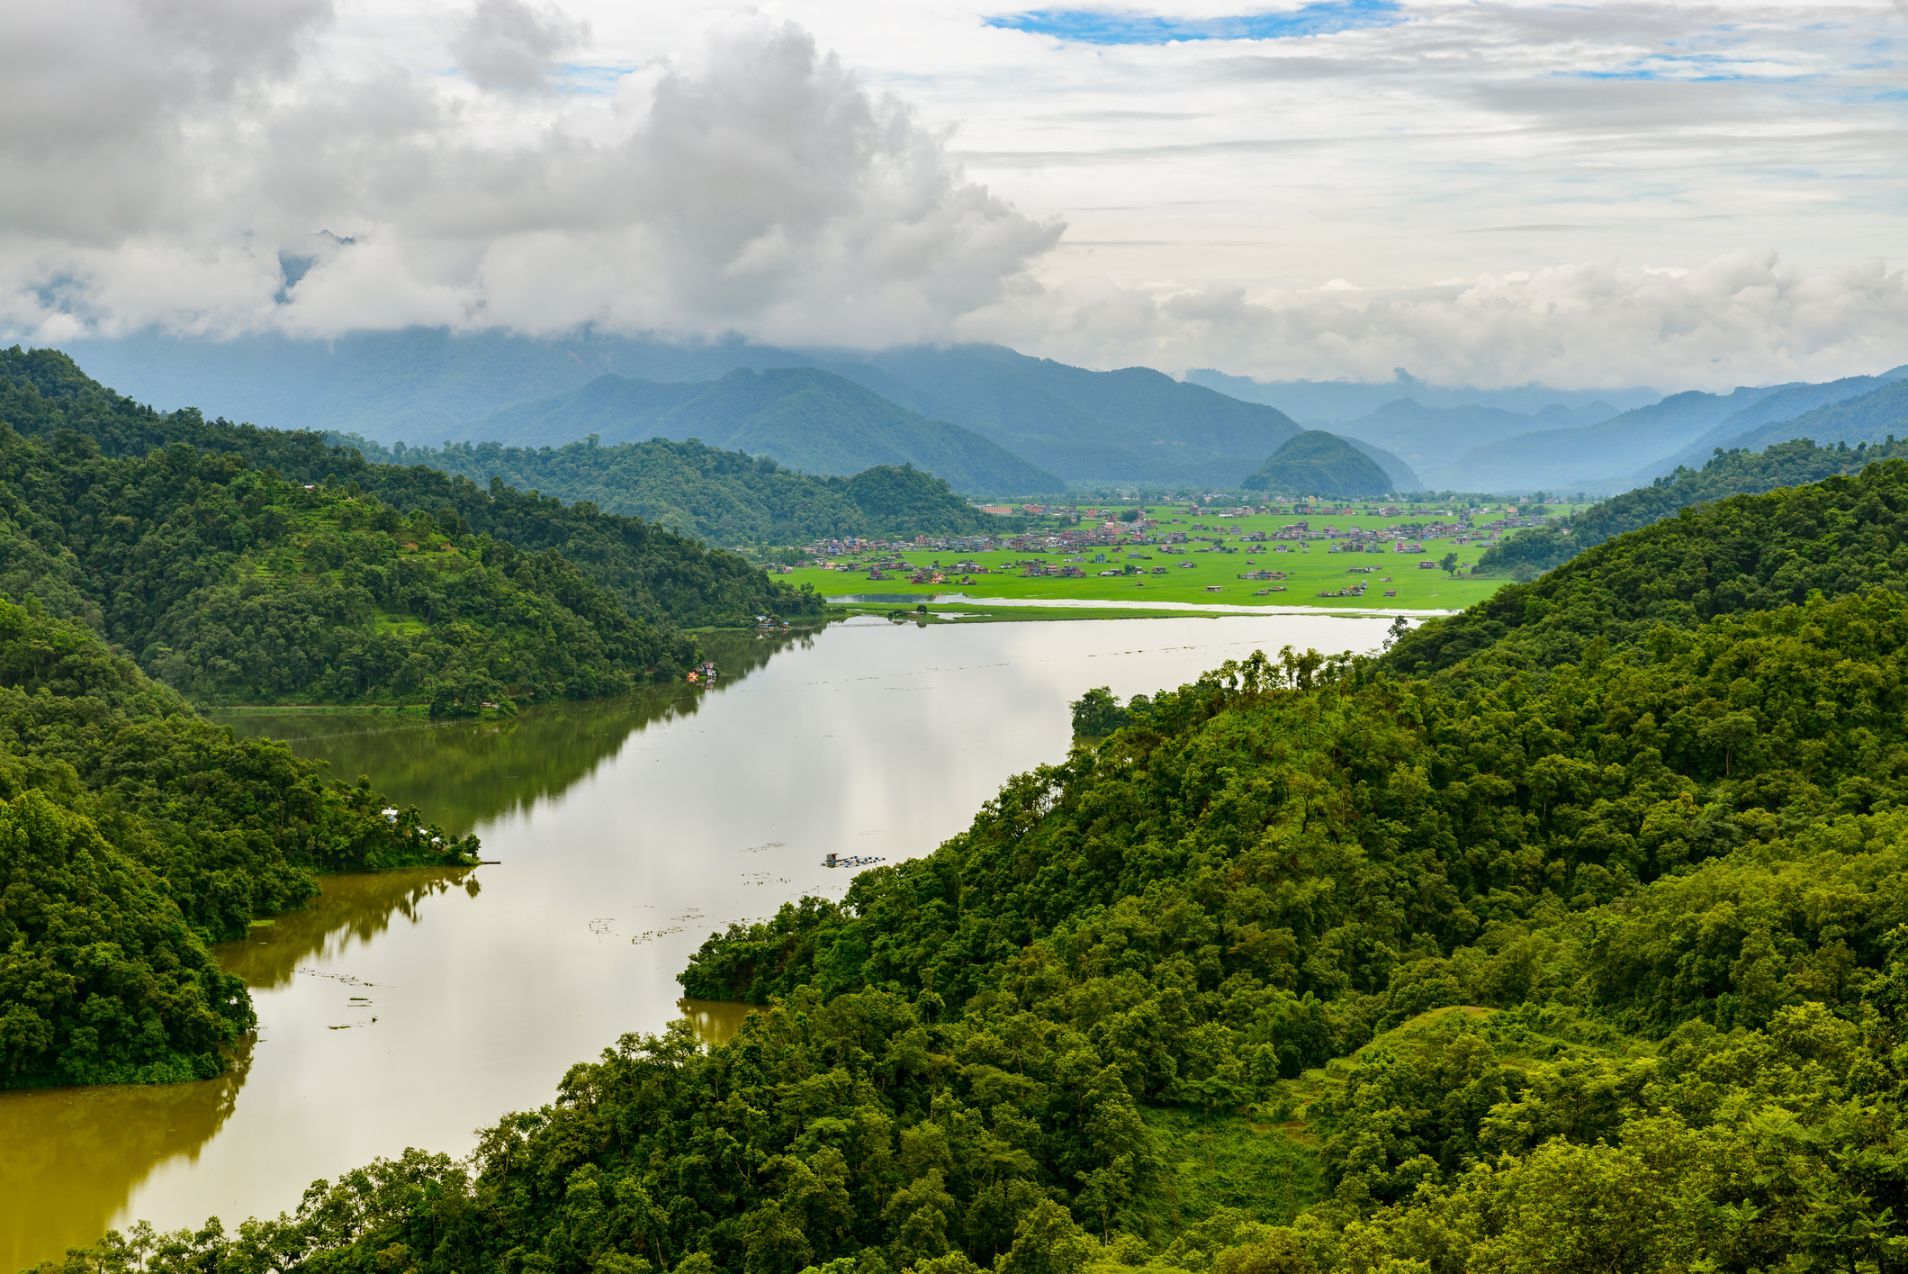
(1333, 402)
(1134, 424)
(1599, 456)
(428, 385)
(1431, 439)
(1401, 475)
(810, 420)
(1873, 417)
(1786, 404)
(1318, 463)
(415, 385)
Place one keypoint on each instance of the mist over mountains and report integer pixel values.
(917, 405)
(985, 418)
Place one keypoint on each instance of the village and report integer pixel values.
(1276, 554)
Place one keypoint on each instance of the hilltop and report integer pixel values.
(654, 573)
(1322, 464)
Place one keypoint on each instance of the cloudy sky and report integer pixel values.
(1481, 191)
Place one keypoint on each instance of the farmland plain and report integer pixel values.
(1139, 565)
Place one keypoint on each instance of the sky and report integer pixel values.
(1485, 192)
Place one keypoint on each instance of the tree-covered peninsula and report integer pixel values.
(132, 833)
(1569, 934)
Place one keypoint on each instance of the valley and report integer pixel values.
(405, 1009)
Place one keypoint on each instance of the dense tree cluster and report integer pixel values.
(1736, 472)
(133, 832)
(657, 575)
(237, 586)
(1570, 934)
(723, 497)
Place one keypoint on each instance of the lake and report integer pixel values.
(411, 1009)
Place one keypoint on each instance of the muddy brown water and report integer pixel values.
(411, 1009)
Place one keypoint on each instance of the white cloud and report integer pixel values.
(1737, 319)
(1281, 207)
(756, 186)
(510, 46)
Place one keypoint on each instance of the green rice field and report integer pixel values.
(1147, 564)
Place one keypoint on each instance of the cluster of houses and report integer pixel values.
(1204, 529)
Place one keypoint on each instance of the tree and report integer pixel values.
(1097, 713)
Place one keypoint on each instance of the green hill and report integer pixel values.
(804, 418)
(132, 833)
(234, 585)
(723, 497)
(1729, 473)
(1764, 422)
(659, 578)
(1319, 463)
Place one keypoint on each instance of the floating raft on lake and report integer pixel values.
(851, 860)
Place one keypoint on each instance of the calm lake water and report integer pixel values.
(410, 1009)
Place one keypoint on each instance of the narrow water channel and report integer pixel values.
(410, 1009)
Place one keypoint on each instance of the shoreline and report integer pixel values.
(1134, 609)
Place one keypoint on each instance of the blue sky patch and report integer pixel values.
(1104, 26)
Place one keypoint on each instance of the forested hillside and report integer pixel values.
(1740, 472)
(234, 585)
(723, 497)
(659, 577)
(132, 833)
(1321, 464)
(1569, 935)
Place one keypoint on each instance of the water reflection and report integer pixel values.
(105, 1140)
(464, 773)
(714, 1021)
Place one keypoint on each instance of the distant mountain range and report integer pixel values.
(428, 386)
(1331, 403)
(985, 418)
(810, 420)
(1804, 411)
(1433, 440)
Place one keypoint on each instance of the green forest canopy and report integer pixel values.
(1570, 934)
(657, 574)
(238, 586)
(132, 833)
(722, 497)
